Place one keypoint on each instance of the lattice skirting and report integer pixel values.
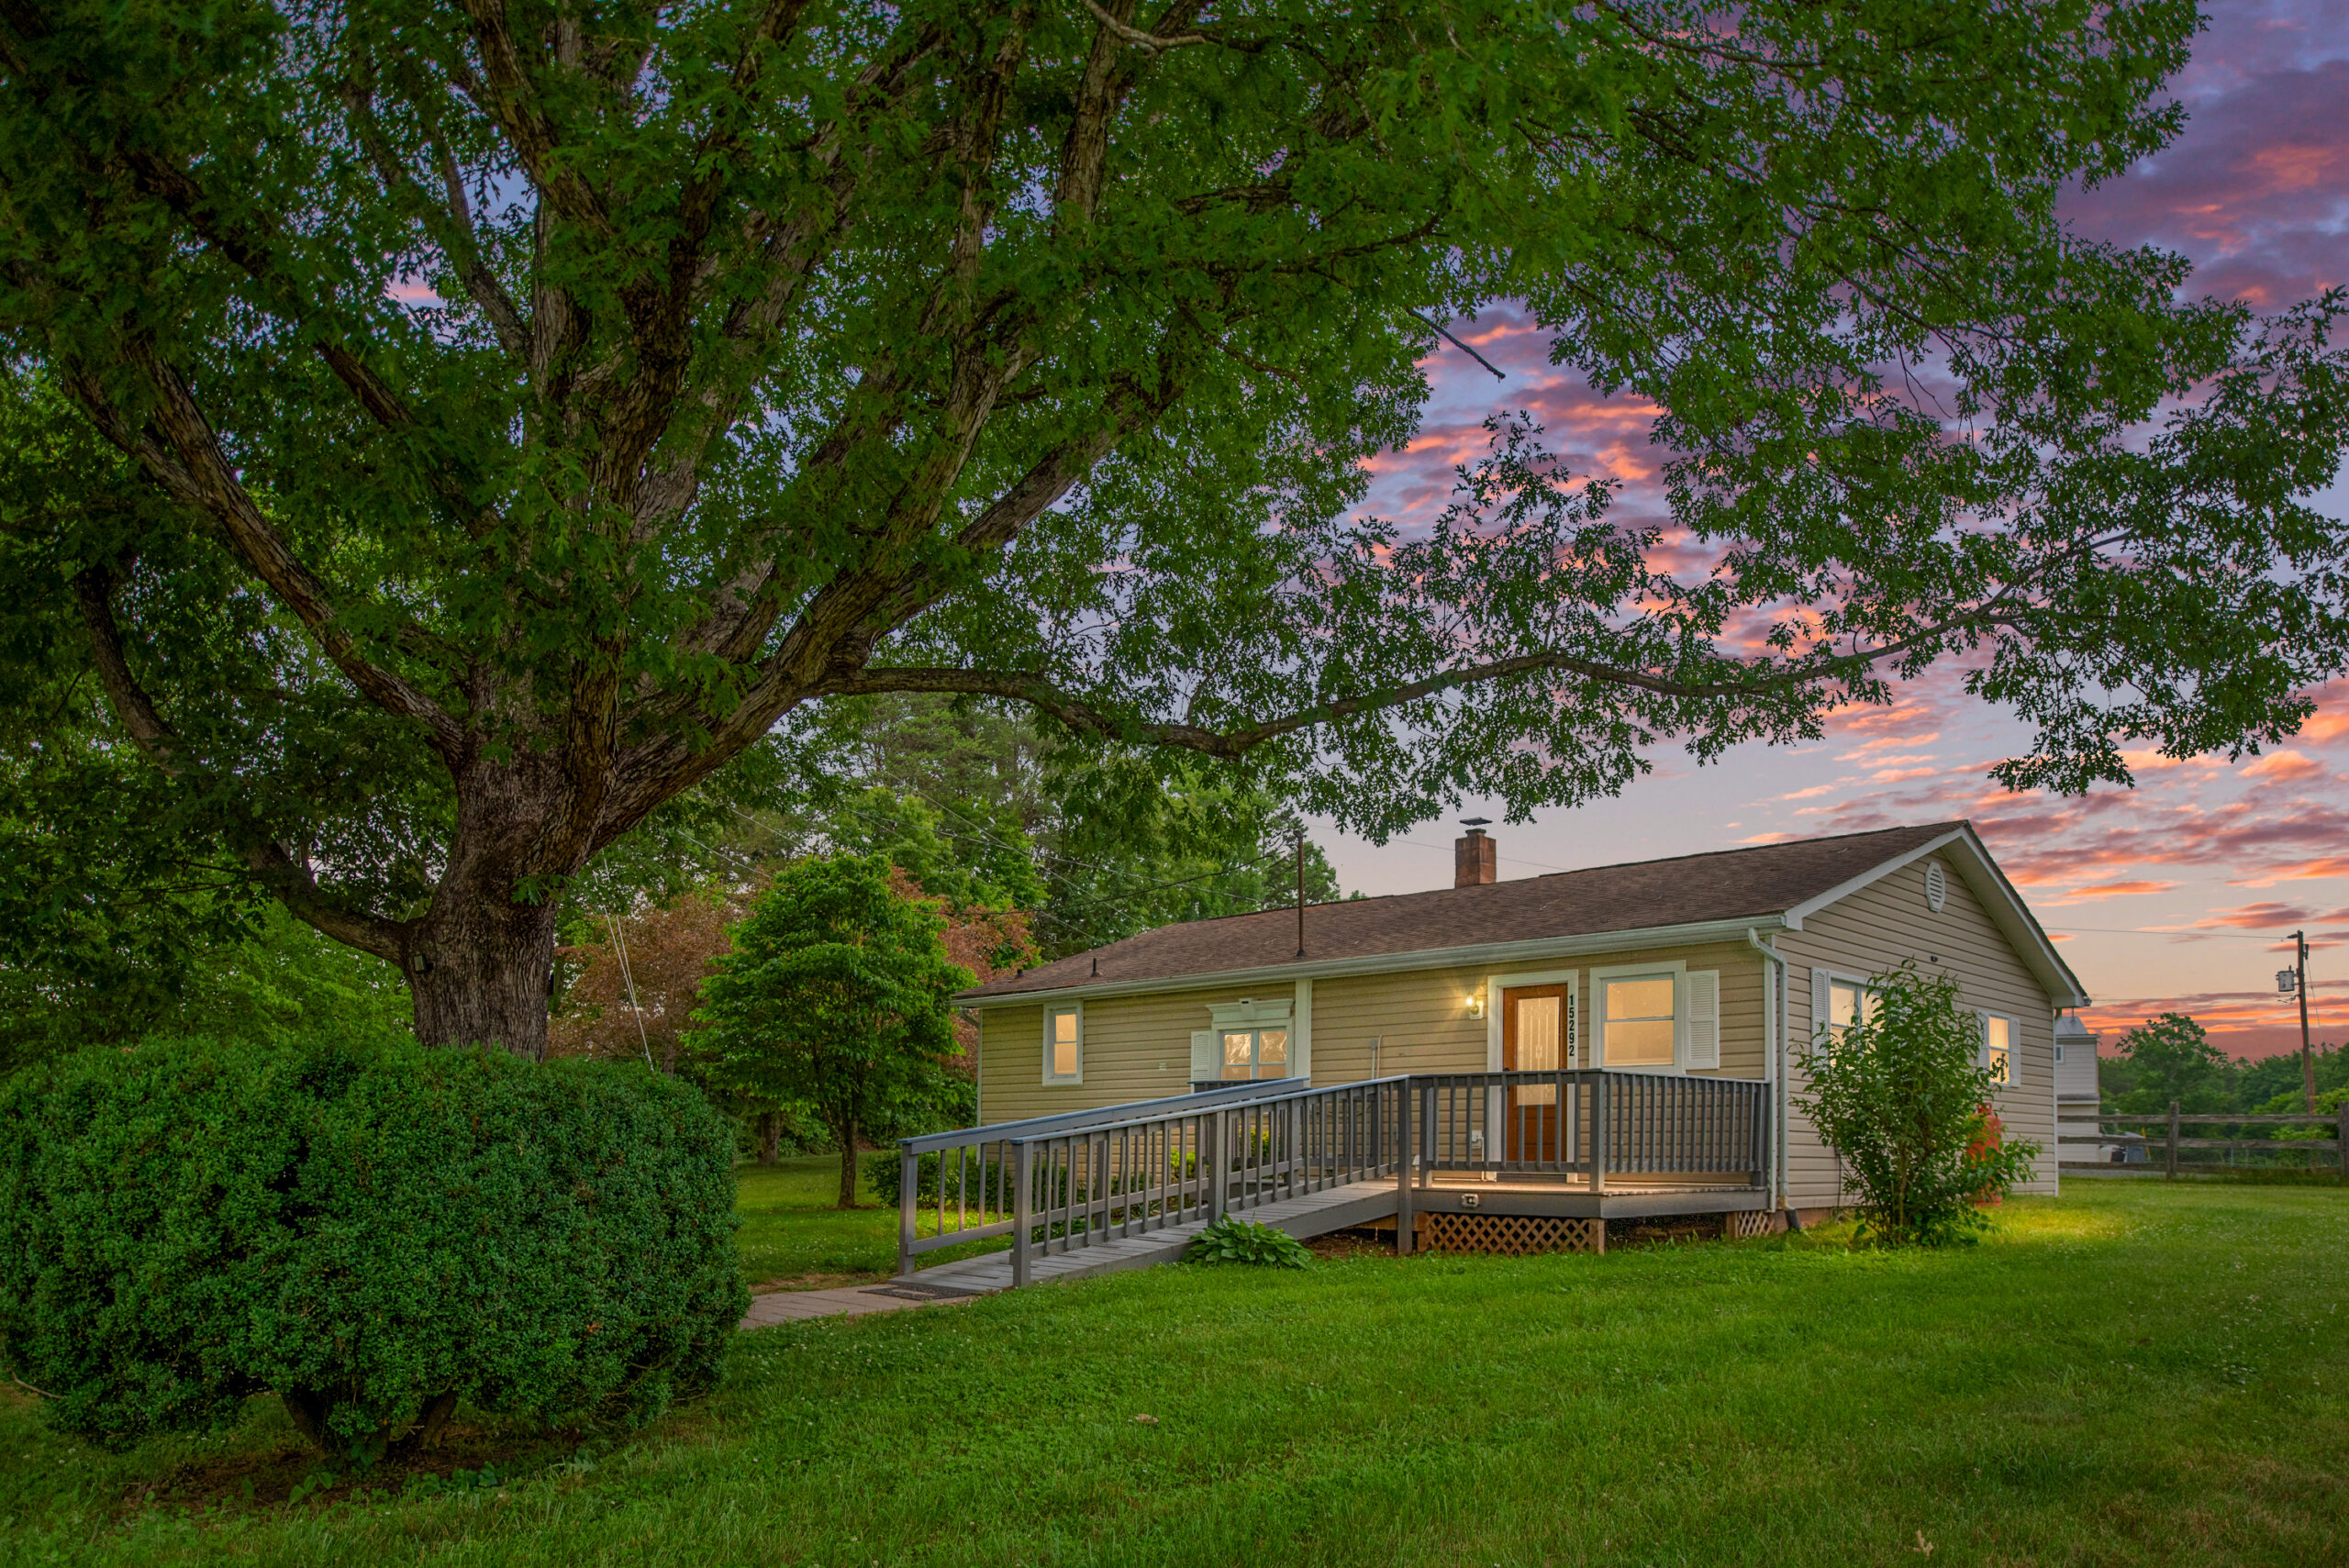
(1755, 1223)
(1512, 1235)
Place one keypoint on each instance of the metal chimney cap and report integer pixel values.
(1476, 824)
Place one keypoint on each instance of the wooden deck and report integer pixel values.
(1345, 1207)
(1127, 1186)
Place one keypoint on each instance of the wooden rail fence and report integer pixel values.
(2171, 1143)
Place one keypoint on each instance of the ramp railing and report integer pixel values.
(1056, 1183)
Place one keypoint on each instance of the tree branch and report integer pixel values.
(789, 250)
(1148, 42)
(450, 221)
(290, 880)
(1087, 717)
(188, 463)
(508, 95)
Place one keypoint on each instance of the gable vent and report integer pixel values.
(1936, 886)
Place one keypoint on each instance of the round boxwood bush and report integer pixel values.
(372, 1233)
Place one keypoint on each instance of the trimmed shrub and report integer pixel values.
(372, 1233)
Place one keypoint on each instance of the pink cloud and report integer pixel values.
(2125, 889)
(1886, 743)
(2258, 917)
(2285, 767)
(2323, 866)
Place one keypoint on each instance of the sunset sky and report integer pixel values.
(2173, 895)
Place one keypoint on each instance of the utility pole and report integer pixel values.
(1298, 835)
(2300, 984)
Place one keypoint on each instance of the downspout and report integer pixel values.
(1774, 1049)
(978, 1063)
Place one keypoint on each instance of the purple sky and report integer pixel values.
(2172, 896)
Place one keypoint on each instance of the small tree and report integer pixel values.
(1901, 1096)
(638, 998)
(835, 995)
(2172, 1060)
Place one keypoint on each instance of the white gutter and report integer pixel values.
(1386, 963)
(1774, 1047)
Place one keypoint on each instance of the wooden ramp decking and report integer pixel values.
(1339, 1208)
(1315, 1213)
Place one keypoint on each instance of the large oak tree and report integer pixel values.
(445, 432)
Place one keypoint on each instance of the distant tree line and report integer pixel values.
(2171, 1059)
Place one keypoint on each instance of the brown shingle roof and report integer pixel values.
(1728, 884)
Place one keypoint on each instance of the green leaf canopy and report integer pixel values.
(461, 430)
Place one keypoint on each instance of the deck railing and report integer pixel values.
(1057, 1184)
(1592, 1124)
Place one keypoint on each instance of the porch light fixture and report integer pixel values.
(1476, 1005)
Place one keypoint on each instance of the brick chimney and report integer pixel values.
(1472, 857)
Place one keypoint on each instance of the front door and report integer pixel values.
(1533, 1040)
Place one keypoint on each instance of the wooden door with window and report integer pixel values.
(1536, 1021)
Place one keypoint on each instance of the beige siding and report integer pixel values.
(1138, 1048)
(1883, 926)
(1419, 1018)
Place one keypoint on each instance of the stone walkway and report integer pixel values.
(852, 1301)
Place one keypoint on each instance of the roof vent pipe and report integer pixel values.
(1472, 857)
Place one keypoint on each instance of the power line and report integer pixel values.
(2158, 931)
(1512, 860)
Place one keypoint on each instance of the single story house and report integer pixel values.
(2079, 1097)
(1653, 974)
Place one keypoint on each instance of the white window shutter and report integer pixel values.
(1704, 987)
(1819, 1004)
(1206, 1061)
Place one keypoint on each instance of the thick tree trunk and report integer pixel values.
(848, 1163)
(770, 1137)
(487, 989)
(480, 961)
(479, 965)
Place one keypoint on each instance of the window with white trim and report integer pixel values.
(2001, 1039)
(1849, 1002)
(1064, 1044)
(1639, 1019)
(1254, 1053)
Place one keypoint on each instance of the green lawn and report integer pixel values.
(2135, 1373)
(792, 1233)
(793, 1237)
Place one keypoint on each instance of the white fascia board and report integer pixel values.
(1843, 890)
(2006, 907)
(1532, 950)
